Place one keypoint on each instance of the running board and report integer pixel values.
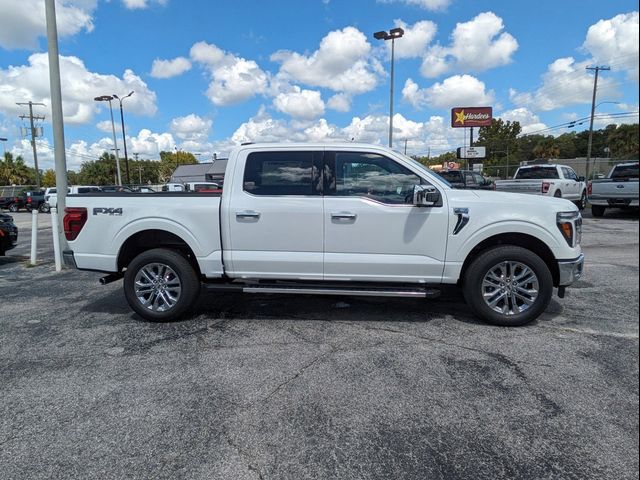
(427, 292)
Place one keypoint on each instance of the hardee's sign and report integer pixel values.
(471, 116)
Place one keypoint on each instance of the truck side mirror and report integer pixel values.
(425, 196)
(581, 179)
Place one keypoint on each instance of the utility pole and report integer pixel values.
(597, 69)
(392, 35)
(33, 135)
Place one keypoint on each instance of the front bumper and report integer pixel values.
(570, 270)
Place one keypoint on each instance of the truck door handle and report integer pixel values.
(343, 215)
(248, 214)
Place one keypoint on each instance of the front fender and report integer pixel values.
(460, 247)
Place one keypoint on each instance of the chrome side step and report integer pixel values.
(359, 291)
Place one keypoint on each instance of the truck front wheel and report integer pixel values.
(160, 285)
(508, 285)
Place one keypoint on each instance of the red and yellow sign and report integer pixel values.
(471, 116)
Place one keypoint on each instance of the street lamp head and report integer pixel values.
(2, 139)
(396, 32)
(380, 35)
(103, 98)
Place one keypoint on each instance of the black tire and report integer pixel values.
(487, 261)
(183, 270)
(582, 203)
(558, 194)
(597, 210)
(14, 207)
(44, 208)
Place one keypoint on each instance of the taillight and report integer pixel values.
(545, 187)
(29, 199)
(74, 220)
(590, 188)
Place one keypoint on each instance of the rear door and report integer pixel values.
(372, 231)
(275, 216)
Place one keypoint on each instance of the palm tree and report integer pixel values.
(14, 171)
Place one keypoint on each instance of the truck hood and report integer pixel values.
(510, 202)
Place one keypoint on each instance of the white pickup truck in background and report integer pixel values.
(618, 190)
(557, 181)
(328, 219)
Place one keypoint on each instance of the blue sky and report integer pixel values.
(208, 75)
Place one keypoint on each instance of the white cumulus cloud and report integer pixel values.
(191, 127)
(170, 68)
(415, 40)
(79, 87)
(455, 91)
(566, 82)
(233, 79)
(298, 103)
(342, 63)
(615, 42)
(23, 21)
(529, 121)
(141, 4)
(477, 45)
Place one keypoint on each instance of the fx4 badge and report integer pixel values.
(107, 211)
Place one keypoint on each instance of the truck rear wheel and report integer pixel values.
(508, 286)
(161, 285)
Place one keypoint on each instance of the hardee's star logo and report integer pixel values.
(459, 117)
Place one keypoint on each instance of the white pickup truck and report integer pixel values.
(557, 181)
(329, 219)
(618, 190)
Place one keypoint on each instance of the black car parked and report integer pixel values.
(8, 233)
(467, 179)
(11, 203)
(35, 200)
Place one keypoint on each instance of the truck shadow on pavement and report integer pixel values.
(237, 306)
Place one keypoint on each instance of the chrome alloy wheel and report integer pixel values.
(510, 288)
(157, 287)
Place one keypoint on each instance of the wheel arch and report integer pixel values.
(144, 240)
(523, 240)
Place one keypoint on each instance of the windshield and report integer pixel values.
(424, 169)
(622, 172)
(537, 173)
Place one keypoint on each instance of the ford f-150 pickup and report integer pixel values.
(329, 219)
(557, 181)
(618, 190)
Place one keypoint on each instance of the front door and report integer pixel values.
(372, 231)
(275, 218)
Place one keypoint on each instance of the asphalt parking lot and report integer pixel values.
(271, 387)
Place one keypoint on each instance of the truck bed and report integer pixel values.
(112, 218)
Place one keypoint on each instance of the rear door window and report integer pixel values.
(283, 173)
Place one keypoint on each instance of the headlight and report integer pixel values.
(570, 226)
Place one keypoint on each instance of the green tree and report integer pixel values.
(13, 171)
(623, 142)
(48, 178)
(98, 172)
(547, 148)
(500, 140)
(170, 160)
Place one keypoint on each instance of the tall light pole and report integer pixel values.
(391, 35)
(124, 136)
(108, 98)
(4, 145)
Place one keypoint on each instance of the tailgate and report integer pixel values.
(519, 186)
